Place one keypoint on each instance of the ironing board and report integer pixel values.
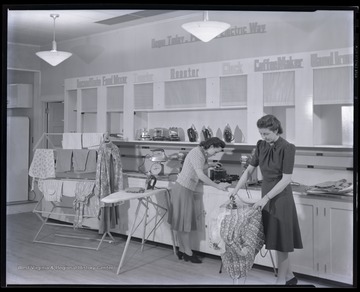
(145, 200)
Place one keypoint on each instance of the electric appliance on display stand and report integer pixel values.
(174, 134)
(158, 157)
(158, 134)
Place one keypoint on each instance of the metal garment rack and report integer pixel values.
(45, 219)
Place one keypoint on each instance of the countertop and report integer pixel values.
(298, 189)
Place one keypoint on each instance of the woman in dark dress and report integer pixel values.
(275, 157)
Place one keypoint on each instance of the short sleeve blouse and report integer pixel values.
(274, 160)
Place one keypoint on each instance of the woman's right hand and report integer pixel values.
(232, 194)
(223, 186)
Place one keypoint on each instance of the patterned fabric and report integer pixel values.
(42, 165)
(109, 175)
(83, 191)
(330, 187)
(109, 179)
(242, 232)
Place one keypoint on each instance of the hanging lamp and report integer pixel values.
(53, 57)
(205, 30)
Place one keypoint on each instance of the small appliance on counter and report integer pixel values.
(158, 156)
(150, 182)
(228, 134)
(219, 174)
(117, 136)
(158, 134)
(192, 134)
(144, 135)
(174, 134)
(207, 133)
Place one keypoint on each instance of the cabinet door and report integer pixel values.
(303, 260)
(89, 110)
(336, 241)
(20, 96)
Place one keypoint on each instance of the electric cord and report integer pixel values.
(143, 163)
(264, 255)
(248, 191)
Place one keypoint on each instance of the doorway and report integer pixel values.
(55, 122)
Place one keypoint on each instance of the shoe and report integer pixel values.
(180, 254)
(194, 259)
(292, 282)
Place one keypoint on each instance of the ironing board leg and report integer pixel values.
(129, 238)
(145, 223)
(273, 263)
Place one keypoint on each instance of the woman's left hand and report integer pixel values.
(261, 203)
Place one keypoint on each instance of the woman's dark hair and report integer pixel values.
(270, 122)
(213, 141)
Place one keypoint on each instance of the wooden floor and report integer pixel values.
(30, 263)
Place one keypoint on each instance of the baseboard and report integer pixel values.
(20, 207)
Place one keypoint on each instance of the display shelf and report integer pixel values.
(115, 110)
(315, 150)
(305, 99)
(191, 109)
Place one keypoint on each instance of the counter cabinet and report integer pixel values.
(327, 231)
(326, 225)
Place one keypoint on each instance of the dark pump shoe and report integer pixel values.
(180, 254)
(194, 259)
(292, 282)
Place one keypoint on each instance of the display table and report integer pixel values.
(145, 200)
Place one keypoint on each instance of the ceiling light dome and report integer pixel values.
(205, 30)
(53, 57)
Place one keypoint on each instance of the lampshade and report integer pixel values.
(205, 30)
(53, 57)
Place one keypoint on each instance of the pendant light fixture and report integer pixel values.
(53, 57)
(205, 30)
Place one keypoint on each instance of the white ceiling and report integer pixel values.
(35, 27)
